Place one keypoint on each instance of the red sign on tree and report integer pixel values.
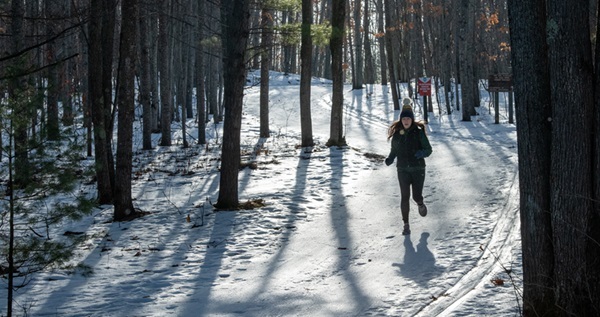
(424, 86)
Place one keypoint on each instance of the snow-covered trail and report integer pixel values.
(472, 197)
(328, 241)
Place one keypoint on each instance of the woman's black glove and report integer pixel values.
(389, 161)
(420, 154)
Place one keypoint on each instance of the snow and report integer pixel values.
(328, 240)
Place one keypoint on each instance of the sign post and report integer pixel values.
(424, 86)
(501, 83)
(424, 89)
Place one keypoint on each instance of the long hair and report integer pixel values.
(397, 126)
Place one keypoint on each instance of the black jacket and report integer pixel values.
(405, 143)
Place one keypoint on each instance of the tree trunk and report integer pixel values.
(97, 105)
(381, 41)
(108, 38)
(446, 60)
(593, 251)
(369, 67)
(418, 40)
(265, 66)
(52, 126)
(69, 78)
(200, 90)
(235, 15)
(466, 16)
(306, 74)
(389, 37)
(358, 67)
(20, 155)
(126, 104)
(153, 67)
(16, 89)
(336, 135)
(532, 93)
(256, 37)
(287, 48)
(571, 73)
(145, 88)
(192, 37)
(214, 71)
(164, 58)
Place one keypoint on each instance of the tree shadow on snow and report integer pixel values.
(419, 263)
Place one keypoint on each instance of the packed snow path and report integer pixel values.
(327, 243)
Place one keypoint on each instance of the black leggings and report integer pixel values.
(416, 179)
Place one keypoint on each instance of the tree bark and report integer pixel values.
(465, 41)
(358, 49)
(201, 88)
(369, 67)
(336, 135)
(593, 251)
(532, 93)
(571, 82)
(446, 60)
(52, 126)
(126, 104)
(164, 64)
(97, 105)
(235, 15)
(391, 63)
(107, 39)
(265, 66)
(144, 75)
(306, 74)
(381, 42)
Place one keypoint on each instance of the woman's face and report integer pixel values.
(406, 122)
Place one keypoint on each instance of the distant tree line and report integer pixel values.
(78, 58)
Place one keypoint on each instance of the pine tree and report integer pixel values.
(33, 208)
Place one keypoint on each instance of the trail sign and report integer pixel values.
(500, 82)
(424, 86)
